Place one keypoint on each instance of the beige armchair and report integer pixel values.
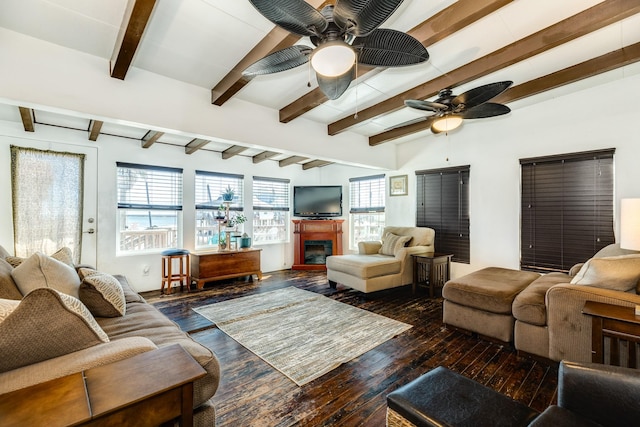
(383, 264)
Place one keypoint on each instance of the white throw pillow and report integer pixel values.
(619, 273)
(41, 271)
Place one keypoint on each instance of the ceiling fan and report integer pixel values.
(450, 110)
(344, 32)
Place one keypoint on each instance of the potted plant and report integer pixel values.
(245, 241)
(236, 220)
(228, 194)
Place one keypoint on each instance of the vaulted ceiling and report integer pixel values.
(540, 45)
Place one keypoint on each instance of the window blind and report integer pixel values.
(211, 185)
(149, 187)
(443, 204)
(270, 194)
(366, 194)
(566, 209)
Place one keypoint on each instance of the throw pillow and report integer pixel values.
(41, 271)
(6, 307)
(63, 255)
(103, 295)
(46, 324)
(8, 288)
(619, 273)
(392, 242)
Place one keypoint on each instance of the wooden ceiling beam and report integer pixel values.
(291, 160)
(94, 129)
(315, 164)
(585, 22)
(194, 145)
(150, 138)
(261, 157)
(276, 39)
(135, 20)
(26, 114)
(232, 151)
(441, 25)
(592, 67)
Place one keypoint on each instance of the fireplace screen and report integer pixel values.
(317, 251)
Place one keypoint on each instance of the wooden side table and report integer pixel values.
(431, 269)
(617, 323)
(138, 391)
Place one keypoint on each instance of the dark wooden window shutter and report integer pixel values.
(443, 204)
(566, 209)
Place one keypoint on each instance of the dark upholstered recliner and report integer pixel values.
(594, 394)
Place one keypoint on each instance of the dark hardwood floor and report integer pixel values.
(252, 393)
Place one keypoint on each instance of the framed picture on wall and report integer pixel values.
(398, 185)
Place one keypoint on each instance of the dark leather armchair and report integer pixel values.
(594, 394)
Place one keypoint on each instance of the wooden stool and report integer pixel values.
(168, 277)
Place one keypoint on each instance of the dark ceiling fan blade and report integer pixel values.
(280, 60)
(360, 17)
(389, 48)
(334, 87)
(411, 122)
(425, 105)
(488, 109)
(480, 94)
(295, 16)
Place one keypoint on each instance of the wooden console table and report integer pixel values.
(617, 323)
(209, 266)
(431, 269)
(138, 391)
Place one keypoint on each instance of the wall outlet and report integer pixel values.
(145, 270)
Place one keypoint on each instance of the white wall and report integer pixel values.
(604, 116)
(109, 150)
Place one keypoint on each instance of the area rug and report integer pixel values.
(302, 334)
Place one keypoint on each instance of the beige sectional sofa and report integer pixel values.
(381, 264)
(47, 334)
(542, 313)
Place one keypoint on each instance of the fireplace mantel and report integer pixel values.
(316, 230)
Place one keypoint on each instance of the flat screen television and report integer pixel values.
(317, 201)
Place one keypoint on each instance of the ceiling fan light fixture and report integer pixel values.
(447, 123)
(333, 58)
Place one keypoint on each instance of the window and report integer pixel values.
(47, 189)
(149, 207)
(566, 209)
(366, 211)
(270, 210)
(443, 204)
(210, 206)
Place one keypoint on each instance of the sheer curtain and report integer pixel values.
(47, 189)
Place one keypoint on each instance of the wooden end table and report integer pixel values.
(618, 323)
(431, 269)
(138, 391)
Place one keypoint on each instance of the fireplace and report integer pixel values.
(314, 241)
(317, 251)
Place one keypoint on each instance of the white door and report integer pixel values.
(89, 219)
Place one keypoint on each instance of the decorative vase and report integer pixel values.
(245, 242)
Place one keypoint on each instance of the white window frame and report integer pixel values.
(209, 187)
(366, 209)
(271, 212)
(148, 191)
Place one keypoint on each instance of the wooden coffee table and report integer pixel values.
(144, 390)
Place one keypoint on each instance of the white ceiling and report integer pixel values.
(200, 41)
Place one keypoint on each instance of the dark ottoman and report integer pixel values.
(444, 398)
